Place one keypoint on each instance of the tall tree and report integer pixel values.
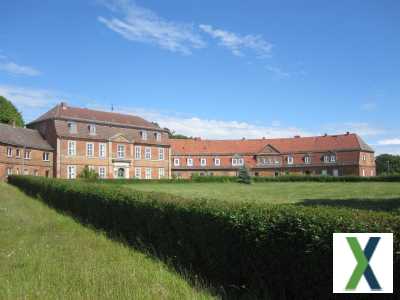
(387, 164)
(9, 113)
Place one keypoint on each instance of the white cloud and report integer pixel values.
(143, 25)
(16, 69)
(361, 128)
(278, 72)
(237, 43)
(369, 106)
(388, 142)
(28, 98)
(214, 129)
(387, 149)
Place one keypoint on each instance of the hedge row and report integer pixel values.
(252, 250)
(284, 178)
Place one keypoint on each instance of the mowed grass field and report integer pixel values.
(280, 192)
(47, 255)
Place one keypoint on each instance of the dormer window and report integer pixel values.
(143, 134)
(237, 161)
(290, 160)
(307, 159)
(176, 162)
(157, 136)
(203, 162)
(326, 158)
(9, 152)
(189, 162)
(72, 127)
(217, 161)
(92, 129)
(333, 158)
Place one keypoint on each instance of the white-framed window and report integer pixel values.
(120, 151)
(234, 162)
(9, 152)
(46, 156)
(72, 127)
(138, 152)
(138, 173)
(17, 153)
(290, 160)
(176, 162)
(203, 161)
(147, 153)
(102, 172)
(333, 158)
(157, 136)
(217, 161)
(9, 171)
(326, 158)
(147, 173)
(307, 159)
(189, 161)
(89, 149)
(277, 162)
(102, 150)
(143, 134)
(71, 148)
(364, 157)
(161, 173)
(71, 172)
(161, 153)
(92, 129)
(26, 172)
(27, 154)
(237, 161)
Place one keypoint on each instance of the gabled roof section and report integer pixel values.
(23, 137)
(64, 112)
(348, 142)
(269, 149)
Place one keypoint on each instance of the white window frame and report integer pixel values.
(102, 172)
(161, 153)
(9, 152)
(71, 151)
(161, 173)
(147, 153)
(326, 158)
(138, 173)
(333, 158)
(203, 161)
(72, 127)
(18, 153)
(144, 135)
(234, 161)
(46, 156)
(158, 136)
(217, 161)
(27, 154)
(138, 152)
(102, 150)
(189, 162)
(91, 146)
(92, 129)
(148, 173)
(307, 159)
(120, 151)
(177, 162)
(364, 157)
(9, 171)
(290, 160)
(71, 172)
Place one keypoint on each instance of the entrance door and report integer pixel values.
(121, 173)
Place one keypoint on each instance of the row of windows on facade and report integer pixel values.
(35, 172)
(71, 172)
(203, 162)
(27, 154)
(290, 160)
(121, 151)
(73, 129)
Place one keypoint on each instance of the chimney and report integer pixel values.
(296, 136)
(63, 105)
(347, 133)
(325, 134)
(243, 138)
(263, 137)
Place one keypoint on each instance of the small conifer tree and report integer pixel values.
(244, 176)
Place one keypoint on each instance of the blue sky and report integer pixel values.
(216, 69)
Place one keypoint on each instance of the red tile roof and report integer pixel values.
(283, 145)
(63, 111)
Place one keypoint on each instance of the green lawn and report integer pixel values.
(47, 255)
(278, 192)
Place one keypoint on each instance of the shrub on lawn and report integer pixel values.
(88, 174)
(244, 176)
(261, 251)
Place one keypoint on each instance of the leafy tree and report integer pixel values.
(387, 164)
(244, 176)
(173, 135)
(88, 174)
(9, 113)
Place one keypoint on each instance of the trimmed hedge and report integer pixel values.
(252, 250)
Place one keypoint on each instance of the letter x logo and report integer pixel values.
(363, 267)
